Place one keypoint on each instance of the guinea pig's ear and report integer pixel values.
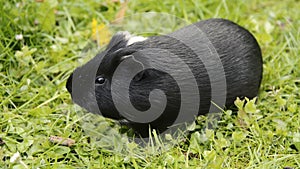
(122, 58)
(125, 54)
(120, 55)
(139, 76)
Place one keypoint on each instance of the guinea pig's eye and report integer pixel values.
(100, 80)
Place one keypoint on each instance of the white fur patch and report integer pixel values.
(134, 39)
(131, 39)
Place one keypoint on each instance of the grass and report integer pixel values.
(35, 104)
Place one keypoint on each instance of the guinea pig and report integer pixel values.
(160, 81)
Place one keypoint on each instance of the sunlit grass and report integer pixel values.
(35, 104)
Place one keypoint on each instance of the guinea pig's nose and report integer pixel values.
(69, 83)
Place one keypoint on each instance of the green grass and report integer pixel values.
(35, 104)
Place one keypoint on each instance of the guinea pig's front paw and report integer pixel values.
(124, 122)
(140, 130)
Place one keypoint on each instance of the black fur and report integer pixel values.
(239, 52)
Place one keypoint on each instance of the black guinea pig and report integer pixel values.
(161, 81)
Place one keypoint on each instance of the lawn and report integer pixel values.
(43, 41)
